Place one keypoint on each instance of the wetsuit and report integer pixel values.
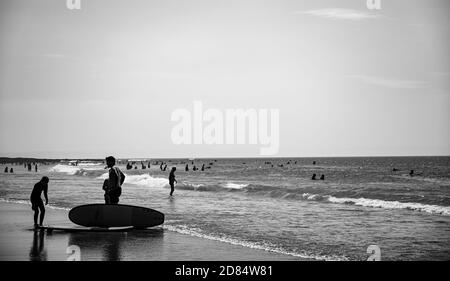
(171, 182)
(35, 198)
(115, 181)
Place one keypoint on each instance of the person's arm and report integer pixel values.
(122, 178)
(45, 194)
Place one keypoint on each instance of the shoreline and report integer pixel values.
(18, 242)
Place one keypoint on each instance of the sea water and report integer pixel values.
(362, 201)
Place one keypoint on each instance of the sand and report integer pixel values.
(19, 242)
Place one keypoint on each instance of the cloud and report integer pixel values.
(336, 13)
(390, 82)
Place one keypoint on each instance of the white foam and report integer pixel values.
(142, 180)
(376, 203)
(183, 229)
(67, 169)
(104, 176)
(234, 185)
(146, 180)
(81, 169)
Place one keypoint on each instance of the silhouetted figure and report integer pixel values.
(165, 167)
(194, 169)
(313, 177)
(29, 167)
(203, 167)
(394, 170)
(411, 173)
(36, 201)
(11, 170)
(172, 180)
(314, 162)
(35, 168)
(161, 166)
(115, 180)
(6, 169)
(148, 165)
(186, 168)
(322, 177)
(106, 195)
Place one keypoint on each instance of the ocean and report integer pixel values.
(274, 205)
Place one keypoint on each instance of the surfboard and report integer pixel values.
(102, 215)
(65, 228)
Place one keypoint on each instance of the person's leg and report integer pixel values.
(171, 189)
(113, 197)
(42, 210)
(36, 212)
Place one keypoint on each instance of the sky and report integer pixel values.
(106, 79)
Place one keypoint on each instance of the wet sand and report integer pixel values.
(19, 242)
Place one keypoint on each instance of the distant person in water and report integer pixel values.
(203, 167)
(36, 200)
(172, 180)
(35, 168)
(186, 168)
(6, 169)
(313, 177)
(322, 177)
(11, 170)
(115, 181)
(411, 173)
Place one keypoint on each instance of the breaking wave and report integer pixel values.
(376, 203)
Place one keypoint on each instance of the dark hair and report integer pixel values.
(45, 179)
(111, 158)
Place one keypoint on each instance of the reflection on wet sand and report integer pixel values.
(38, 251)
(110, 246)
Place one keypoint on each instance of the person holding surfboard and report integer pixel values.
(113, 187)
(36, 200)
(172, 180)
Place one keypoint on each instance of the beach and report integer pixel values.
(18, 242)
(245, 209)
